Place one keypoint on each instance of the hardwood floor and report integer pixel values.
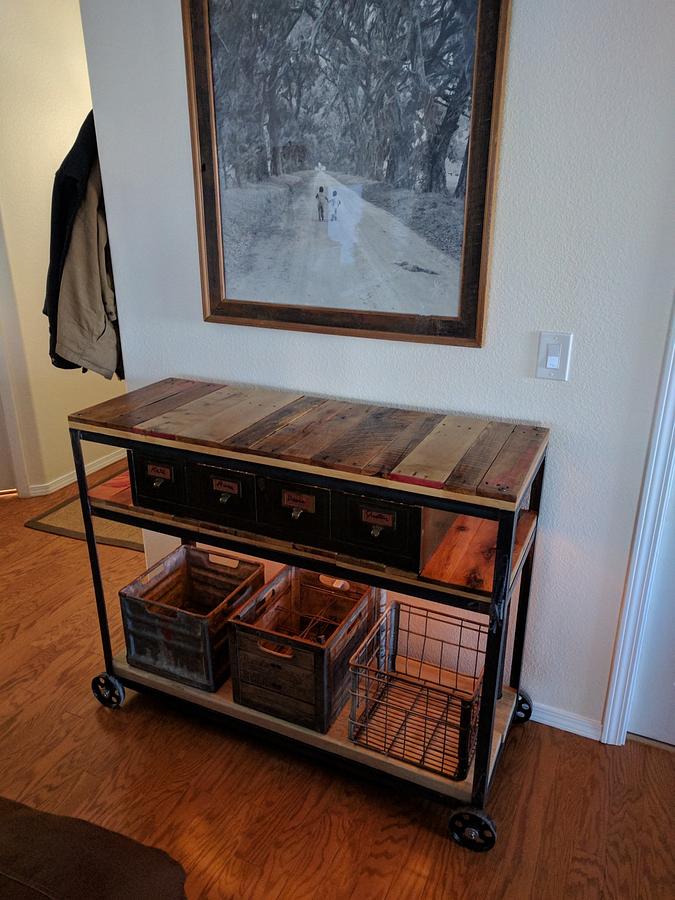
(247, 820)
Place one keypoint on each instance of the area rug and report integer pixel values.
(44, 855)
(66, 519)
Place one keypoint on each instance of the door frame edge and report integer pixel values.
(647, 534)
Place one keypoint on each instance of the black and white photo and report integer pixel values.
(342, 150)
(344, 158)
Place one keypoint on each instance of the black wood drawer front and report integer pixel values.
(293, 512)
(377, 529)
(224, 494)
(159, 481)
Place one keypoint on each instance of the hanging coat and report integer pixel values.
(70, 185)
(86, 328)
(80, 298)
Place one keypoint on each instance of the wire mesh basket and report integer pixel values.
(416, 685)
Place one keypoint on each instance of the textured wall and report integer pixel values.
(582, 244)
(44, 97)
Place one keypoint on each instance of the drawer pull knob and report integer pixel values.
(158, 482)
(297, 512)
(376, 531)
(224, 498)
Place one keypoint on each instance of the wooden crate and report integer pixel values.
(290, 645)
(176, 614)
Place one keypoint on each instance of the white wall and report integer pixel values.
(582, 243)
(44, 97)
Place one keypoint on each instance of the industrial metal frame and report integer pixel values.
(469, 826)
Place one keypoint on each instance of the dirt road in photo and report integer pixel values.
(367, 259)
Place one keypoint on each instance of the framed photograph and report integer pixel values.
(344, 160)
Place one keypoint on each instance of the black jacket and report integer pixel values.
(70, 185)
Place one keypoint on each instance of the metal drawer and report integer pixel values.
(159, 481)
(224, 495)
(293, 512)
(376, 529)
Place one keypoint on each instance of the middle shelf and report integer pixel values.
(462, 566)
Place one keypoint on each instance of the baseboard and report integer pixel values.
(566, 721)
(39, 490)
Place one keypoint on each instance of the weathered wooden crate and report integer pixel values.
(290, 645)
(176, 614)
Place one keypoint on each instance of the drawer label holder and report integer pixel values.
(378, 518)
(157, 471)
(293, 500)
(223, 486)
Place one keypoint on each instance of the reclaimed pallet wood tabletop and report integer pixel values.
(472, 458)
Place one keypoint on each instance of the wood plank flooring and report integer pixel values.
(248, 820)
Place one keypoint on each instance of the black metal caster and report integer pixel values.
(108, 690)
(473, 829)
(523, 709)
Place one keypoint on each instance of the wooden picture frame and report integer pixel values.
(467, 327)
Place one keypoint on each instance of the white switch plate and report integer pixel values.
(554, 347)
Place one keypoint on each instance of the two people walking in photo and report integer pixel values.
(325, 202)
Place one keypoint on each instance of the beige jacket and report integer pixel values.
(87, 309)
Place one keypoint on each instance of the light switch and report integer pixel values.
(553, 359)
(553, 356)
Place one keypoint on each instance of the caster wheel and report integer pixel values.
(108, 690)
(473, 829)
(523, 709)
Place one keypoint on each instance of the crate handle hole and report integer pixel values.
(338, 584)
(226, 561)
(284, 652)
(152, 574)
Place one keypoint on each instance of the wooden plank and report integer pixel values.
(473, 466)
(244, 440)
(166, 404)
(250, 408)
(110, 410)
(311, 447)
(508, 475)
(434, 458)
(120, 500)
(447, 557)
(527, 522)
(476, 568)
(193, 414)
(466, 555)
(366, 438)
(275, 444)
(408, 438)
(108, 490)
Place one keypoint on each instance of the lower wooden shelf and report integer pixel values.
(336, 741)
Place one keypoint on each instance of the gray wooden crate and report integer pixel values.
(176, 614)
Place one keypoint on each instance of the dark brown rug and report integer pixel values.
(43, 855)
